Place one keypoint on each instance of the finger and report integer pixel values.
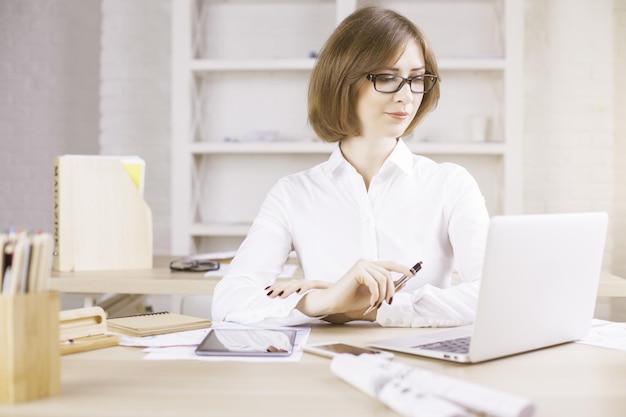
(284, 289)
(272, 291)
(392, 266)
(386, 284)
(363, 276)
(281, 292)
(286, 292)
(391, 290)
(396, 267)
(376, 278)
(385, 268)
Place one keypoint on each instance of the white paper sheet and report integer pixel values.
(608, 334)
(187, 338)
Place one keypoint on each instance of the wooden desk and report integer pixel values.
(160, 280)
(141, 281)
(611, 285)
(568, 380)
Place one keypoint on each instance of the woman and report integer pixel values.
(359, 220)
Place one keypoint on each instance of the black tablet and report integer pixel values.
(248, 342)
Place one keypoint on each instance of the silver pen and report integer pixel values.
(400, 282)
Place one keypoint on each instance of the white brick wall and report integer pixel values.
(134, 97)
(49, 52)
(568, 143)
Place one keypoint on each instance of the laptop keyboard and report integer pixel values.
(459, 345)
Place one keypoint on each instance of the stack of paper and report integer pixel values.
(156, 323)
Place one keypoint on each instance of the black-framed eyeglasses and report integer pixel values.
(390, 83)
(194, 265)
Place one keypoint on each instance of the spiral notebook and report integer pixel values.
(155, 323)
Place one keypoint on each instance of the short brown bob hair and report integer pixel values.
(370, 38)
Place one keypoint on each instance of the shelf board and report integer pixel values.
(441, 148)
(478, 64)
(283, 147)
(208, 65)
(305, 64)
(457, 148)
(219, 229)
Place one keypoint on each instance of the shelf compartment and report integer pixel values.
(261, 29)
(471, 29)
(230, 188)
(237, 105)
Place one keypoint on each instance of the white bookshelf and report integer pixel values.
(240, 71)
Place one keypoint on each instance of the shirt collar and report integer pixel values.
(401, 156)
(335, 161)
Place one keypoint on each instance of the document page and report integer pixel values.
(608, 334)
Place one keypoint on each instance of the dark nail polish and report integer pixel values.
(281, 293)
(268, 287)
(270, 293)
(379, 304)
(391, 300)
(298, 290)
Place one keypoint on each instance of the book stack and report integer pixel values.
(26, 261)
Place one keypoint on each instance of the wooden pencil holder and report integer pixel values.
(29, 347)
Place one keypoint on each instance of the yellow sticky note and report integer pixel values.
(136, 170)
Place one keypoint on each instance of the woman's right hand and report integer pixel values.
(365, 284)
(284, 288)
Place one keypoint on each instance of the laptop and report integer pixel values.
(538, 289)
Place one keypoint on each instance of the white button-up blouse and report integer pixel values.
(415, 210)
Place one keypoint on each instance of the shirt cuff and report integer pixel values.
(279, 311)
(403, 313)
